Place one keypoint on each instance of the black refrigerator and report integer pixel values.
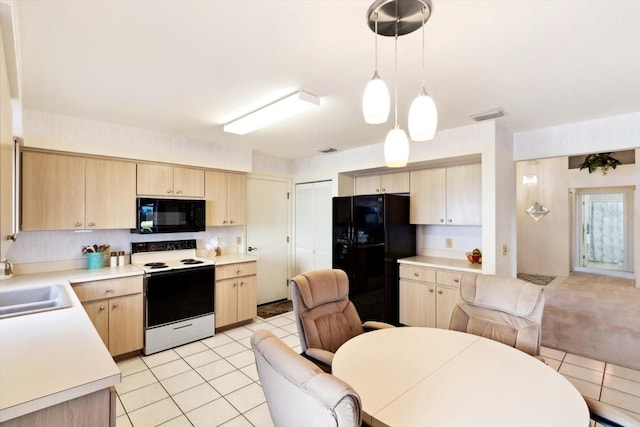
(370, 233)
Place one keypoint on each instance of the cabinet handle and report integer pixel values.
(115, 306)
(224, 222)
(78, 224)
(431, 290)
(108, 290)
(91, 224)
(456, 280)
(384, 189)
(230, 221)
(440, 291)
(101, 307)
(416, 274)
(441, 219)
(179, 192)
(449, 220)
(169, 191)
(241, 283)
(235, 284)
(377, 190)
(237, 271)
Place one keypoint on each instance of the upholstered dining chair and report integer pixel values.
(298, 392)
(325, 316)
(500, 308)
(609, 415)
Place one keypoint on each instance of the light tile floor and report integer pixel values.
(214, 382)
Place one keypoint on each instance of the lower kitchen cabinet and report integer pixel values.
(115, 307)
(428, 296)
(236, 293)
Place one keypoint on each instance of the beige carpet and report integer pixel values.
(594, 316)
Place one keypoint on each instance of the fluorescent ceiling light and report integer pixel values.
(279, 110)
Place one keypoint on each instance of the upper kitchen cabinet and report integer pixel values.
(170, 181)
(397, 182)
(226, 196)
(61, 192)
(6, 157)
(451, 195)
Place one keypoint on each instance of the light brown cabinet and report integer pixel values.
(236, 293)
(226, 198)
(428, 296)
(61, 192)
(169, 181)
(397, 182)
(115, 307)
(447, 196)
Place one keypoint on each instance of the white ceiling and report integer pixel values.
(187, 67)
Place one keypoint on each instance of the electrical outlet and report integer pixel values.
(505, 250)
(238, 240)
(448, 243)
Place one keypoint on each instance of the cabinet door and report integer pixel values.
(226, 305)
(367, 184)
(216, 197)
(155, 180)
(110, 194)
(397, 182)
(428, 196)
(237, 199)
(188, 182)
(53, 192)
(247, 298)
(417, 303)
(446, 298)
(6, 160)
(98, 312)
(125, 324)
(464, 195)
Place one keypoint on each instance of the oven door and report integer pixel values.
(181, 294)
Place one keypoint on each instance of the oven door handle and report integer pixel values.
(183, 326)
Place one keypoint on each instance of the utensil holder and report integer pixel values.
(95, 260)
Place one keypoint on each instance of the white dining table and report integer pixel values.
(413, 376)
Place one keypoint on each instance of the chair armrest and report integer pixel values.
(320, 355)
(609, 415)
(372, 324)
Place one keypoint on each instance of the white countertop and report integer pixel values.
(50, 357)
(443, 263)
(233, 258)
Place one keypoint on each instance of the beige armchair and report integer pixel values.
(325, 317)
(502, 309)
(298, 392)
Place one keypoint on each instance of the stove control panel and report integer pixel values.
(169, 245)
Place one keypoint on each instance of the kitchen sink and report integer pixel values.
(23, 301)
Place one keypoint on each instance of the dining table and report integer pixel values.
(414, 376)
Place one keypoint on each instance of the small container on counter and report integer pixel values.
(113, 261)
(121, 258)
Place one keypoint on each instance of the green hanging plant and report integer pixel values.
(603, 161)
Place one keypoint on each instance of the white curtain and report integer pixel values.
(606, 241)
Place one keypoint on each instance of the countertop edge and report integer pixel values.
(442, 263)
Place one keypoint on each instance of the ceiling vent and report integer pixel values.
(486, 115)
(327, 150)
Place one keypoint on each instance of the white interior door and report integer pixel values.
(313, 226)
(268, 235)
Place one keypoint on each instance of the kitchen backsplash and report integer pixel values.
(47, 246)
(431, 239)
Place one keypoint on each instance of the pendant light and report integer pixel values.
(375, 101)
(396, 146)
(423, 115)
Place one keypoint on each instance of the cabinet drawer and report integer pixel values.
(417, 273)
(228, 271)
(448, 278)
(99, 289)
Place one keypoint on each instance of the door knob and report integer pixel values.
(251, 248)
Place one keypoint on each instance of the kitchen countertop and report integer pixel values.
(233, 258)
(443, 263)
(51, 357)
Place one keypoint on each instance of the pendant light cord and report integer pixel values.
(375, 43)
(396, 74)
(424, 10)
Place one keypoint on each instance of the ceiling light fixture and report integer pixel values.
(397, 18)
(375, 101)
(279, 110)
(486, 115)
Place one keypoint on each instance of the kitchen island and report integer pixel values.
(54, 358)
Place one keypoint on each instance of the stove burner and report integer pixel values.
(156, 265)
(190, 261)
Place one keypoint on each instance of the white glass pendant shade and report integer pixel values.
(376, 101)
(423, 118)
(396, 148)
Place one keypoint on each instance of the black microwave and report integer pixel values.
(169, 215)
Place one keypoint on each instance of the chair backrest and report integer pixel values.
(325, 317)
(609, 415)
(501, 308)
(298, 392)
